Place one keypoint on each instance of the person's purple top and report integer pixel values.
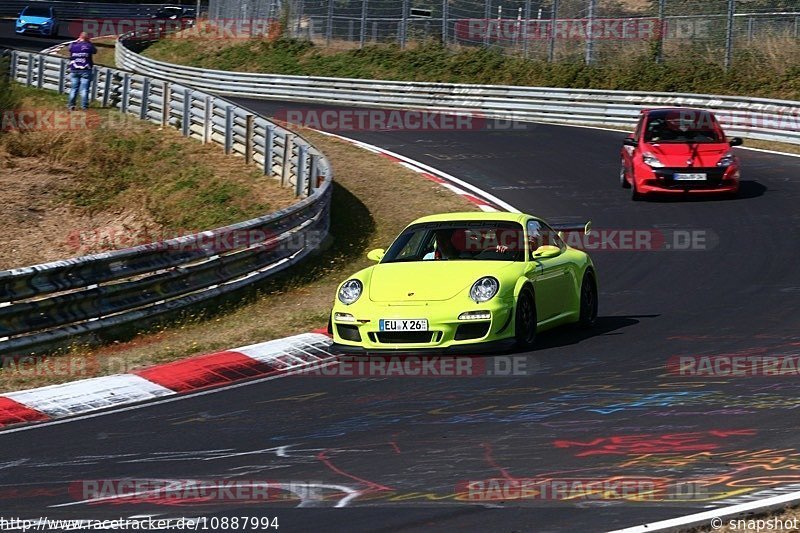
(80, 53)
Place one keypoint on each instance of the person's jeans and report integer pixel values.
(80, 81)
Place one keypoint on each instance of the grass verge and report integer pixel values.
(373, 200)
(89, 182)
(769, 68)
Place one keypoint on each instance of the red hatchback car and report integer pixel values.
(679, 151)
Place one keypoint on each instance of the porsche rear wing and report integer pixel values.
(586, 228)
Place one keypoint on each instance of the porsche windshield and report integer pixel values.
(459, 241)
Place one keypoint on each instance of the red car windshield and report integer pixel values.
(687, 126)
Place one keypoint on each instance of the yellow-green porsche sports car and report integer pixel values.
(466, 282)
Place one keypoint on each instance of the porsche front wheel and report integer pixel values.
(525, 320)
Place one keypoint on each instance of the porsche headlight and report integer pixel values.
(651, 160)
(484, 290)
(726, 161)
(350, 291)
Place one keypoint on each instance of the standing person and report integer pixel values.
(80, 68)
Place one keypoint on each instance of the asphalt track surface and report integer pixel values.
(594, 405)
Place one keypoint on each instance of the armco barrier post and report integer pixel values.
(145, 99)
(288, 143)
(29, 73)
(228, 129)
(126, 92)
(186, 116)
(312, 173)
(39, 72)
(300, 185)
(14, 62)
(248, 139)
(269, 140)
(107, 88)
(94, 84)
(166, 101)
(208, 115)
(62, 77)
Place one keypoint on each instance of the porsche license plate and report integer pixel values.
(415, 324)
(689, 177)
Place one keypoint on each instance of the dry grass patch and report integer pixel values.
(114, 181)
(373, 200)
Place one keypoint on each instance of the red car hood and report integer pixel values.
(679, 154)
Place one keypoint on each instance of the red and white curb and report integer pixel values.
(271, 358)
(484, 200)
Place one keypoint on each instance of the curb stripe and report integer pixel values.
(86, 395)
(12, 412)
(206, 371)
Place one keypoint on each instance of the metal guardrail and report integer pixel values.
(48, 305)
(756, 118)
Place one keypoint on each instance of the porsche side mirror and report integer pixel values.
(737, 141)
(546, 251)
(376, 254)
(630, 141)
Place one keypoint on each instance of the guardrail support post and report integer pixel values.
(300, 181)
(14, 61)
(145, 99)
(29, 72)
(94, 82)
(208, 114)
(166, 101)
(228, 129)
(186, 119)
(312, 173)
(39, 71)
(248, 139)
(126, 92)
(269, 140)
(288, 146)
(107, 87)
(62, 77)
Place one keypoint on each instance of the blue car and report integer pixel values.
(38, 20)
